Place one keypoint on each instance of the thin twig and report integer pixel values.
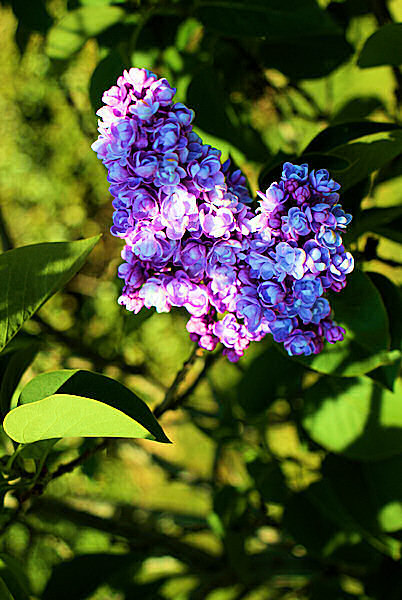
(171, 400)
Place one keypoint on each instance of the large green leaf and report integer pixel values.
(331, 137)
(31, 274)
(78, 382)
(355, 417)
(360, 310)
(68, 35)
(79, 403)
(383, 47)
(64, 415)
(372, 219)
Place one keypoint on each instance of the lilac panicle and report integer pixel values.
(192, 241)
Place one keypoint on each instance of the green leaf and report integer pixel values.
(207, 97)
(270, 376)
(68, 36)
(313, 56)
(14, 360)
(369, 492)
(31, 275)
(357, 109)
(14, 578)
(104, 76)
(373, 218)
(33, 15)
(360, 310)
(355, 417)
(383, 47)
(80, 577)
(64, 415)
(391, 297)
(339, 135)
(365, 157)
(77, 382)
(5, 593)
(269, 480)
(277, 20)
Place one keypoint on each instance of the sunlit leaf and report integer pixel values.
(31, 275)
(68, 35)
(97, 387)
(355, 417)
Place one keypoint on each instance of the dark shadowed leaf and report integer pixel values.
(357, 109)
(31, 275)
(269, 377)
(33, 15)
(69, 35)
(365, 157)
(14, 579)
(14, 360)
(104, 76)
(80, 577)
(312, 56)
(372, 219)
(355, 417)
(338, 135)
(269, 480)
(207, 97)
(384, 47)
(275, 20)
(391, 297)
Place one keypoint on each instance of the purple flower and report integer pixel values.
(271, 293)
(318, 257)
(289, 261)
(342, 219)
(169, 172)
(307, 290)
(281, 328)
(227, 330)
(322, 183)
(342, 264)
(330, 239)
(206, 174)
(333, 333)
(153, 294)
(192, 241)
(299, 173)
(295, 223)
(193, 259)
(301, 342)
(144, 204)
(177, 209)
(216, 222)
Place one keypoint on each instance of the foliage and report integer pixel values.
(282, 478)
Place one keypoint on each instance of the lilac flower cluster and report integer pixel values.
(193, 241)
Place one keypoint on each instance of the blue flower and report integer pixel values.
(295, 223)
(300, 173)
(308, 290)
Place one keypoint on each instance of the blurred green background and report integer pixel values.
(249, 501)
